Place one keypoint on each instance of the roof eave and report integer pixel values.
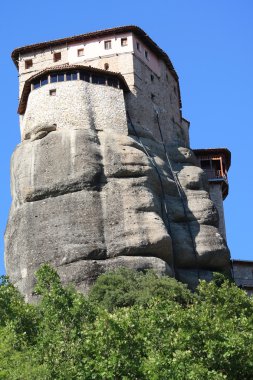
(117, 30)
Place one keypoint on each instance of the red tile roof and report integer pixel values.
(100, 33)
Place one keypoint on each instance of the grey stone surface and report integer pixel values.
(91, 192)
(191, 277)
(83, 274)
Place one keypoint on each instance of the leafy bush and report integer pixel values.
(131, 326)
(126, 287)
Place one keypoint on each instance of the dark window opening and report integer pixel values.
(146, 55)
(106, 66)
(205, 164)
(44, 81)
(28, 64)
(80, 52)
(216, 165)
(123, 41)
(98, 80)
(108, 45)
(36, 85)
(53, 78)
(152, 77)
(112, 82)
(60, 77)
(57, 57)
(85, 77)
(52, 92)
(71, 76)
(138, 46)
(152, 96)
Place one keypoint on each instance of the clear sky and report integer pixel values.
(210, 45)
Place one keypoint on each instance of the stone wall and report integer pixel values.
(154, 96)
(104, 178)
(90, 194)
(215, 191)
(77, 104)
(243, 274)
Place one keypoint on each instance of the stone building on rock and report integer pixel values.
(104, 175)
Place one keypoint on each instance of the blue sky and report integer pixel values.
(210, 45)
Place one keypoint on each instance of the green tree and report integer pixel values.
(126, 287)
(132, 325)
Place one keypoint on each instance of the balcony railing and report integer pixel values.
(213, 174)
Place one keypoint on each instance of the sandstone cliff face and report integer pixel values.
(93, 192)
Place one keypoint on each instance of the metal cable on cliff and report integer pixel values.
(164, 205)
(180, 192)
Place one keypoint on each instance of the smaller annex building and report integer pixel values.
(243, 274)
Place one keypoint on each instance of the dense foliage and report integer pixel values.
(132, 326)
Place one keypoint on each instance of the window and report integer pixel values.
(138, 46)
(28, 63)
(39, 82)
(57, 57)
(56, 78)
(205, 164)
(80, 52)
(146, 55)
(98, 80)
(85, 77)
(123, 41)
(44, 81)
(152, 96)
(108, 45)
(112, 82)
(36, 84)
(52, 92)
(152, 77)
(53, 78)
(60, 77)
(106, 66)
(71, 76)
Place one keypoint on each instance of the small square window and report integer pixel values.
(52, 92)
(123, 41)
(57, 57)
(146, 55)
(138, 46)
(108, 45)
(80, 52)
(28, 64)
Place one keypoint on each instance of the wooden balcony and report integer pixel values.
(213, 174)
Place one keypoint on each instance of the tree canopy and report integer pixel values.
(132, 325)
